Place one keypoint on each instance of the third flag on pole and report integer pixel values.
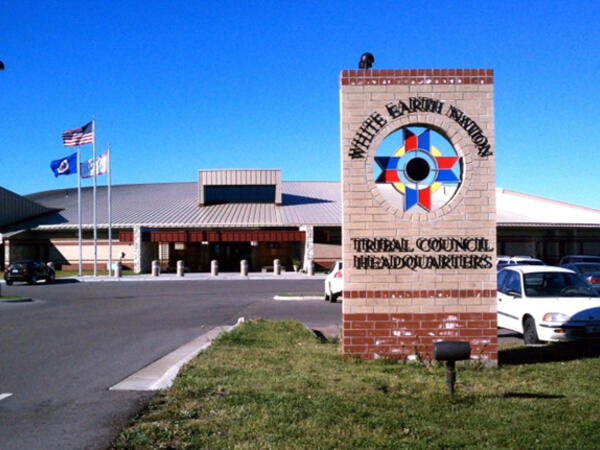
(87, 167)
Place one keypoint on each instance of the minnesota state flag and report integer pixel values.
(64, 166)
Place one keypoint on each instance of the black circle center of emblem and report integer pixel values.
(417, 169)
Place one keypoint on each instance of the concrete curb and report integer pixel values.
(285, 298)
(161, 373)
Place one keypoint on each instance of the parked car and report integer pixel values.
(578, 258)
(546, 303)
(526, 260)
(334, 282)
(502, 261)
(589, 271)
(29, 271)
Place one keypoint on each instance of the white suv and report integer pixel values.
(334, 283)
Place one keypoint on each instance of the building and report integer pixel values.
(544, 228)
(229, 215)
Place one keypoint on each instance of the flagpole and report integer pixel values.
(94, 208)
(109, 217)
(79, 204)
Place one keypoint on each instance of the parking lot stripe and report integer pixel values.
(5, 395)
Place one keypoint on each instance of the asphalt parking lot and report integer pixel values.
(61, 352)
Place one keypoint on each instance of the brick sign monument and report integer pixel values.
(419, 211)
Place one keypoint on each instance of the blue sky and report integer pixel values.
(180, 86)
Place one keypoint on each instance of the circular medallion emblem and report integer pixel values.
(64, 166)
(423, 172)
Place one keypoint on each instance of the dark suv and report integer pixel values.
(569, 259)
(29, 271)
(589, 271)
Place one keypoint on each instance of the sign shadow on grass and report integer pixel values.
(548, 353)
(531, 395)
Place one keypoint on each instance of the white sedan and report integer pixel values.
(334, 282)
(547, 304)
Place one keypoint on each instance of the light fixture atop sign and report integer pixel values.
(366, 61)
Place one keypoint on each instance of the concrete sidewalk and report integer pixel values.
(194, 277)
(199, 276)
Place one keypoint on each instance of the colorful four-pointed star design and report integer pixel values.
(417, 169)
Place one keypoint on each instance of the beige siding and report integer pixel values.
(327, 251)
(239, 177)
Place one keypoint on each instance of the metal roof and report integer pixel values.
(175, 205)
(15, 208)
(515, 209)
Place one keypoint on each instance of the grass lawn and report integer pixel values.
(273, 385)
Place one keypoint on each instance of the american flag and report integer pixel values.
(78, 136)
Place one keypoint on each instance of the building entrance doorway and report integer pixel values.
(229, 255)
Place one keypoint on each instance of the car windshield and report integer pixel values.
(556, 284)
(586, 268)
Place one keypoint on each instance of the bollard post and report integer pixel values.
(311, 267)
(214, 267)
(277, 267)
(119, 271)
(244, 268)
(155, 268)
(180, 268)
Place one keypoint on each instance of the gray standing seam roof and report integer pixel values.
(15, 208)
(175, 205)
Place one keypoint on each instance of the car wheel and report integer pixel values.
(33, 279)
(51, 278)
(334, 297)
(530, 336)
(9, 282)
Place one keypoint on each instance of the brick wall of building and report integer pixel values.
(400, 312)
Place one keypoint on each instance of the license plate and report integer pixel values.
(593, 329)
(15, 271)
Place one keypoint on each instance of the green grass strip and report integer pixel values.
(12, 299)
(273, 385)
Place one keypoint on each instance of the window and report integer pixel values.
(557, 284)
(239, 194)
(501, 277)
(512, 283)
(332, 235)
